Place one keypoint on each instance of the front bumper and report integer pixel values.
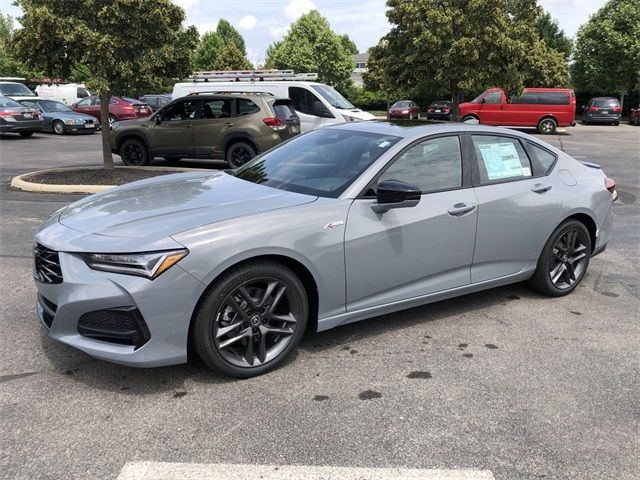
(165, 305)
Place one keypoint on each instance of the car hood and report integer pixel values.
(171, 204)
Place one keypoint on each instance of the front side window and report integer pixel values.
(500, 158)
(302, 99)
(85, 102)
(218, 108)
(332, 96)
(322, 162)
(431, 165)
(493, 98)
(184, 110)
(82, 93)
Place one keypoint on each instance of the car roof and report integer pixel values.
(418, 129)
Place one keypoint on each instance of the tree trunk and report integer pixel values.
(107, 158)
(621, 101)
(455, 103)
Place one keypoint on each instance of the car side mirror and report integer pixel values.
(396, 194)
(158, 118)
(319, 110)
(483, 101)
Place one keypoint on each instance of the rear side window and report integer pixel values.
(553, 98)
(500, 158)
(302, 99)
(218, 108)
(545, 158)
(528, 98)
(247, 107)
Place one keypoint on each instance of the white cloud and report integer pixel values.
(205, 27)
(186, 4)
(297, 8)
(247, 22)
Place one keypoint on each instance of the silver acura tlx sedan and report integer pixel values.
(331, 227)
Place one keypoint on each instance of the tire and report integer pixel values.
(112, 119)
(637, 122)
(239, 153)
(585, 122)
(240, 299)
(547, 126)
(26, 134)
(470, 119)
(560, 269)
(134, 153)
(58, 127)
(616, 123)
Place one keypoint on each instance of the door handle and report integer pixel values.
(460, 209)
(541, 187)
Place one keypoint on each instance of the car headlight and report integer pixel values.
(349, 118)
(149, 265)
(69, 122)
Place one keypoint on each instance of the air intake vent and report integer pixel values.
(47, 265)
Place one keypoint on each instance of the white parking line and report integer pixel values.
(211, 471)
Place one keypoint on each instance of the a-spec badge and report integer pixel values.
(330, 225)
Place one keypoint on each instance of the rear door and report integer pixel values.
(172, 133)
(517, 211)
(217, 116)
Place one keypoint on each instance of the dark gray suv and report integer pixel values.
(235, 127)
(602, 110)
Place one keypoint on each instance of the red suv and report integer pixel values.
(118, 109)
(543, 108)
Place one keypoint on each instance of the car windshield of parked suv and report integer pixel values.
(321, 163)
(50, 106)
(7, 102)
(400, 105)
(16, 89)
(333, 97)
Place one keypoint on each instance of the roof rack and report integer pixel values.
(251, 75)
(220, 92)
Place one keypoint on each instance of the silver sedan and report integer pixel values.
(331, 227)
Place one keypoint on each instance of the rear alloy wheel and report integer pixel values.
(134, 153)
(547, 126)
(564, 260)
(26, 134)
(250, 319)
(58, 127)
(239, 153)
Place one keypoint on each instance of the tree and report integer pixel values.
(206, 54)
(348, 44)
(114, 41)
(548, 30)
(231, 58)
(466, 45)
(607, 53)
(311, 46)
(228, 34)
(9, 66)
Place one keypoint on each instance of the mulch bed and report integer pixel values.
(95, 176)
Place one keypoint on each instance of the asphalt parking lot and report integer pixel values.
(504, 380)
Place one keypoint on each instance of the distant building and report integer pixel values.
(362, 61)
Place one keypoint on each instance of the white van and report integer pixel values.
(317, 104)
(67, 93)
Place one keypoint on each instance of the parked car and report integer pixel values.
(407, 109)
(634, 116)
(543, 108)
(156, 101)
(67, 93)
(15, 118)
(439, 110)
(15, 89)
(119, 110)
(602, 110)
(142, 109)
(58, 118)
(316, 104)
(338, 225)
(235, 127)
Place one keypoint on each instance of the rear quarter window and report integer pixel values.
(545, 159)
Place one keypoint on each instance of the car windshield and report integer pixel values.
(321, 163)
(51, 106)
(333, 97)
(400, 104)
(15, 89)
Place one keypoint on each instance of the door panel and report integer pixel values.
(174, 134)
(408, 252)
(491, 111)
(215, 118)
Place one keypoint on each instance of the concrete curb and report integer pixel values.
(21, 182)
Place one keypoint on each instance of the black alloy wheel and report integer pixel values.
(134, 153)
(564, 260)
(250, 319)
(240, 153)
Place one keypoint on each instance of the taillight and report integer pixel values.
(275, 123)
(594, 109)
(445, 110)
(430, 109)
(8, 113)
(610, 184)
(617, 109)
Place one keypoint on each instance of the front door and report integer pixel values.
(303, 101)
(172, 134)
(517, 211)
(491, 109)
(409, 252)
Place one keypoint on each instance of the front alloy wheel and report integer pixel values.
(250, 319)
(134, 153)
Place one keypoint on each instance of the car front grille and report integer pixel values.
(118, 325)
(47, 265)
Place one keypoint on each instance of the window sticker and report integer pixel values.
(501, 160)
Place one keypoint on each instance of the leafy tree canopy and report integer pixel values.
(607, 53)
(115, 41)
(348, 44)
(206, 54)
(464, 45)
(554, 37)
(228, 34)
(231, 58)
(9, 66)
(311, 46)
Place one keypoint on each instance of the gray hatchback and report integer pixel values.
(334, 226)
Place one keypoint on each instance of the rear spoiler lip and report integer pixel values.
(592, 165)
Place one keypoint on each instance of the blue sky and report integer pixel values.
(262, 22)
